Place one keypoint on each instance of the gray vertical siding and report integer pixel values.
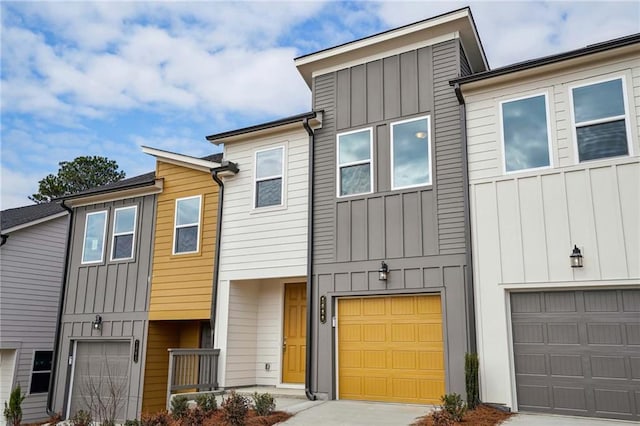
(116, 290)
(420, 232)
(31, 262)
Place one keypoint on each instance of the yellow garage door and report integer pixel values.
(390, 349)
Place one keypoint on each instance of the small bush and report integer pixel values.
(263, 403)
(13, 410)
(442, 418)
(194, 417)
(132, 423)
(179, 406)
(471, 380)
(453, 404)
(162, 418)
(81, 418)
(207, 402)
(234, 409)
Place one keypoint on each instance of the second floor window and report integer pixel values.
(355, 175)
(410, 153)
(187, 225)
(124, 227)
(600, 120)
(94, 230)
(269, 177)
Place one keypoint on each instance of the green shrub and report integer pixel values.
(207, 402)
(263, 403)
(453, 404)
(179, 406)
(234, 409)
(132, 423)
(81, 418)
(471, 380)
(13, 409)
(162, 418)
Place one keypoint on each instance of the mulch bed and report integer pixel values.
(482, 415)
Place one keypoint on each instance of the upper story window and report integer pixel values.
(600, 120)
(41, 371)
(187, 225)
(269, 177)
(525, 133)
(94, 230)
(410, 153)
(124, 228)
(355, 174)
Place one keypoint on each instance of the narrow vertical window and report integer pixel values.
(124, 228)
(355, 174)
(41, 371)
(600, 120)
(94, 230)
(410, 153)
(269, 177)
(187, 225)
(525, 133)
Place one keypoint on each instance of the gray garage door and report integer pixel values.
(100, 379)
(578, 352)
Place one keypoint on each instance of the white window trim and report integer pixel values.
(575, 125)
(133, 232)
(33, 360)
(503, 150)
(355, 163)
(84, 237)
(176, 226)
(430, 181)
(256, 179)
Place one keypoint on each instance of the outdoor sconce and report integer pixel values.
(97, 323)
(383, 272)
(576, 257)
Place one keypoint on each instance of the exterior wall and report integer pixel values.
(116, 290)
(182, 284)
(420, 232)
(32, 263)
(525, 224)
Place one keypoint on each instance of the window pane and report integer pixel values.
(526, 143)
(602, 140)
(39, 382)
(125, 219)
(355, 147)
(123, 246)
(269, 163)
(188, 211)
(42, 360)
(597, 101)
(269, 192)
(355, 179)
(94, 237)
(186, 239)
(411, 153)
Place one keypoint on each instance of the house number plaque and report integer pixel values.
(323, 309)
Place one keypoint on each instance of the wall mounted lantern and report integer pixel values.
(383, 272)
(576, 257)
(97, 323)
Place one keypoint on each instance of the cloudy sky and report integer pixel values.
(103, 78)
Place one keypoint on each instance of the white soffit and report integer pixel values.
(181, 159)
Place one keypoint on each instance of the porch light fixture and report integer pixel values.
(383, 272)
(576, 257)
(97, 323)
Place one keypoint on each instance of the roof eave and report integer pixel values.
(181, 159)
(34, 222)
(138, 190)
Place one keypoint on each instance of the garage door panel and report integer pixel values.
(430, 361)
(633, 334)
(634, 362)
(528, 333)
(534, 396)
(403, 333)
(631, 300)
(570, 398)
(374, 332)
(561, 301)
(612, 401)
(565, 333)
(565, 365)
(601, 301)
(604, 334)
(374, 359)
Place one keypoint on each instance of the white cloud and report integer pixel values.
(16, 186)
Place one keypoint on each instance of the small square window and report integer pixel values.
(354, 162)
(269, 177)
(41, 372)
(187, 225)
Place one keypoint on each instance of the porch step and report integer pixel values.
(274, 391)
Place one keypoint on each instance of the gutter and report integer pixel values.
(56, 342)
(307, 372)
(227, 166)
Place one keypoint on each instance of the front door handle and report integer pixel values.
(284, 345)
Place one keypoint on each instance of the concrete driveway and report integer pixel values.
(535, 419)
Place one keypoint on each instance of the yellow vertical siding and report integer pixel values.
(181, 285)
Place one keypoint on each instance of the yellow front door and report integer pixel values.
(391, 349)
(294, 345)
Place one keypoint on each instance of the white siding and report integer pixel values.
(524, 225)
(31, 265)
(7, 370)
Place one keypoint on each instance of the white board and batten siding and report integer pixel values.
(525, 224)
(261, 249)
(31, 265)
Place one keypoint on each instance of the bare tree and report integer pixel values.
(105, 394)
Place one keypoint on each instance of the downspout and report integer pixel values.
(307, 380)
(56, 342)
(3, 239)
(471, 321)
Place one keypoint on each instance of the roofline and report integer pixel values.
(552, 59)
(34, 222)
(181, 159)
(218, 138)
(128, 191)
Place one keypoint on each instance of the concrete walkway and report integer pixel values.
(535, 419)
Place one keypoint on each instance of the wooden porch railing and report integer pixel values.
(192, 369)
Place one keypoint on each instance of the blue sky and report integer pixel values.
(104, 78)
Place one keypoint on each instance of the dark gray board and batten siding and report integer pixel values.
(420, 232)
(118, 291)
